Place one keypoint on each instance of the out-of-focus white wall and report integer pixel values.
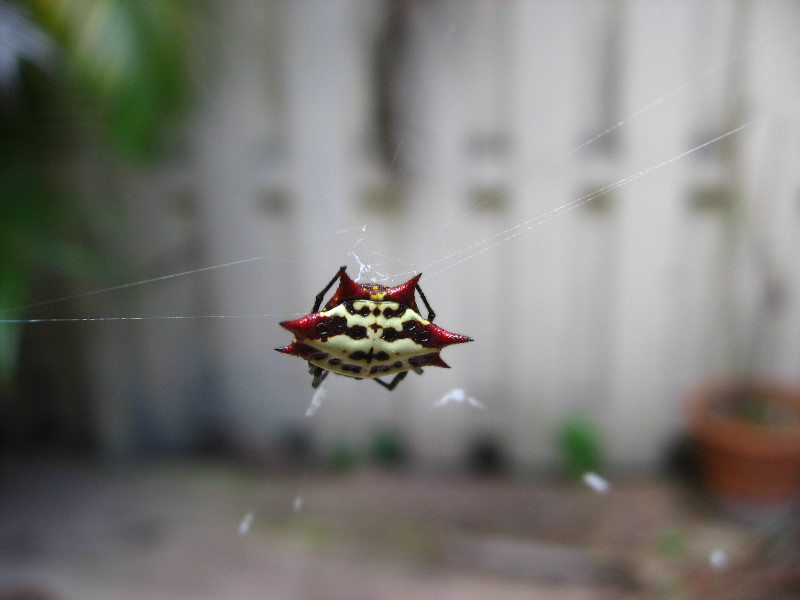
(549, 179)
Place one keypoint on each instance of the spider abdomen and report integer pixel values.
(367, 338)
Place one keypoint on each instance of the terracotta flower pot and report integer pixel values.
(747, 456)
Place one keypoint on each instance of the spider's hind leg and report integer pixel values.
(393, 383)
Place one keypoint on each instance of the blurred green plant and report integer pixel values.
(69, 70)
(757, 409)
(387, 448)
(672, 543)
(128, 57)
(580, 446)
(343, 457)
(37, 239)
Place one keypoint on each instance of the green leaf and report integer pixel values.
(129, 59)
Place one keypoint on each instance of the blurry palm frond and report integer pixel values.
(128, 57)
(72, 71)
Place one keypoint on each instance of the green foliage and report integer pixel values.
(757, 409)
(124, 73)
(128, 58)
(343, 457)
(672, 543)
(580, 446)
(386, 448)
(40, 225)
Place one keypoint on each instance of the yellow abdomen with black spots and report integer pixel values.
(364, 338)
(367, 331)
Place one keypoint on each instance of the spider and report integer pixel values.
(369, 331)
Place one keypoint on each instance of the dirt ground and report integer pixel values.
(177, 530)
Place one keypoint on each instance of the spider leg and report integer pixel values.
(321, 295)
(393, 383)
(431, 314)
(319, 375)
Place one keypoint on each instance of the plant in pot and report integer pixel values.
(747, 426)
(748, 435)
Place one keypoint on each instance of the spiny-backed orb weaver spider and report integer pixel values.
(368, 331)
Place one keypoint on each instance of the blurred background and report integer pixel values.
(604, 195)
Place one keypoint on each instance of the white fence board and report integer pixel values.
(610, 309)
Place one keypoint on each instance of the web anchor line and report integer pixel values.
(512, 232)
(154, 318)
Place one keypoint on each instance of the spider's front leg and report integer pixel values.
(321, 295)
(431, 314)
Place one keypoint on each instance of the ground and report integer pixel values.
(181, 530)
